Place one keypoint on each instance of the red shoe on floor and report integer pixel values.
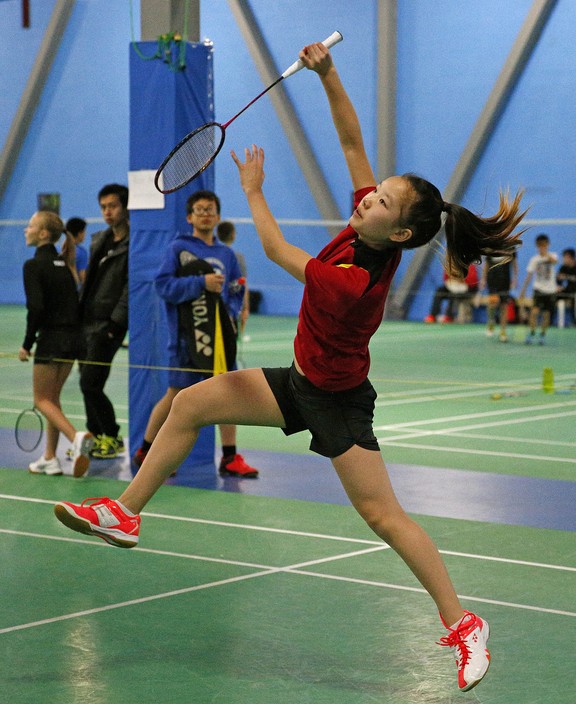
(429, 319)
(139, 457)
(103, 517)
(237, 467)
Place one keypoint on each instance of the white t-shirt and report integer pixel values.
(544, 272)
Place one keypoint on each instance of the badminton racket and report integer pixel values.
(193, 154)
(29, 429)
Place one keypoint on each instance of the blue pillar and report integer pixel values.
(165, 104)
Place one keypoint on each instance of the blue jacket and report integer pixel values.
(174, 289)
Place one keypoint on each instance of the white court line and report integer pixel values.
(245, 526)
(225, 524)
(509, 604)
(27, 402)
(509, 438)
(448, 391)
(470, 416)
(151, 551)
(186, 590)
(487, 453)
(296, 568)
(73, 416)
(415, 434)
(409, 433)
(412, 433)
(378, 546)
(133, 602)
(401, 398)
(28, 399)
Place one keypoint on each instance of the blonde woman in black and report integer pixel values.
(52, 324)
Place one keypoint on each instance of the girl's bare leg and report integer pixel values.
(366, 481)
(533, 318)
(227, 434)
(160, 413)
(162, 409)
(48, 380)
(491, 312)
(239, 398)
(503, 317)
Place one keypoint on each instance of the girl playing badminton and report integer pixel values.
(52, 323)
(326, 389)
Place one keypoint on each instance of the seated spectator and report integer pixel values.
(566, 279)
(454, 291)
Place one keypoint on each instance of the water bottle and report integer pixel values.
(548, 380)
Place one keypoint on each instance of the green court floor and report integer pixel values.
(237, 598)
(241, 599)
(435, 387)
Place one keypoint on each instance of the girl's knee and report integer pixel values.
(386, 523)
(186, 406)
(42, 401)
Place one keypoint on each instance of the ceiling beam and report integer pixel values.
(33, 90)
(159, 17)
(514, 65)
(286, 113)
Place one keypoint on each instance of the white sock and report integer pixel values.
(126, 511)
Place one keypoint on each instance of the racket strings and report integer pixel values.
(192, 156)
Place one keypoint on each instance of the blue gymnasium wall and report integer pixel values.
(449, 52)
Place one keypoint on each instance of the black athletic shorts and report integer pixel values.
(545, 301)
(57, 344)
(338, 420)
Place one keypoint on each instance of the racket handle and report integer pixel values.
(329, 42)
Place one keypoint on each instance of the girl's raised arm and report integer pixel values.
(316, 57)
(277, 249)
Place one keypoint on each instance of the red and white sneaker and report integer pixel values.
(237, 467)
(103, 517)
(468, 643)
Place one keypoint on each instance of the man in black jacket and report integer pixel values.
(104, 316)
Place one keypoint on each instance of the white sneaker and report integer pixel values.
(83, 443)
(468, 644)
(44, 466)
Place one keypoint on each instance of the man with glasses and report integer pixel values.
(216, 271)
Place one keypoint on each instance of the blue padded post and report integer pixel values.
(164, 106)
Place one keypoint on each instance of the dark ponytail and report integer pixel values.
(468, 236)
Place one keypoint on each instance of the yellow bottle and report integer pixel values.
(548, 380)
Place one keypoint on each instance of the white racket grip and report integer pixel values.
(329, 42)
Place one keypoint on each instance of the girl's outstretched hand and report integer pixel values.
(251, 170)
(316, 57)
